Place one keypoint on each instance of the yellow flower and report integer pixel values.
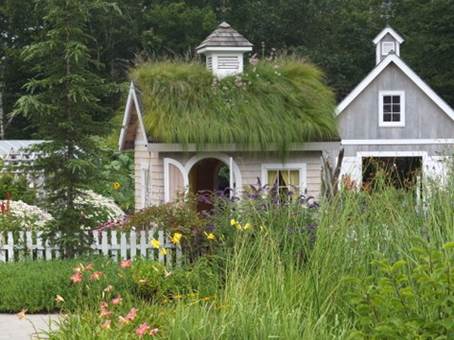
(210, 236)
(176, 238)
(233, 222)
(247, 226)
(116, 185)
(155, 243)
(238, 226)
(163, 251)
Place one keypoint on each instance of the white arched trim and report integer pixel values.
(179, 166)
(236, 182)
(235, 176)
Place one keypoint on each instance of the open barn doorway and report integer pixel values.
(208, 176)
(399, 172)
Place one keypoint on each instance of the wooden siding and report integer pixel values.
(423, 119)
(249, 164)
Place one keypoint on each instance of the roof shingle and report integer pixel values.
(224, 36)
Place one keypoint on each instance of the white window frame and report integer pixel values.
(381, 121)
(301, 167)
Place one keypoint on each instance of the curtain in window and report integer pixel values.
(272, 177)
(291, 178)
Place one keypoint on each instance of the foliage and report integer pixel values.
(17, 215)
(176, 27)
(272, 103)
(408, 299)
(69, 118)
(180, 217)
(115, 179)
(336, 35)
(16, 187)
(159, 284)
(34, 285)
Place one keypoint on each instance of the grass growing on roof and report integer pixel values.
(272, 103)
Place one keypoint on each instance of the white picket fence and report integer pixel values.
(116, 245)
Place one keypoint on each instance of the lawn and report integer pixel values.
(365, 265)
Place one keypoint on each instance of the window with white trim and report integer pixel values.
(288, 180)
(387, 47)
(392, 108)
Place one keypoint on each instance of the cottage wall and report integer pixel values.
(149, 170)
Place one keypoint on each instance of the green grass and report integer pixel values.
(277, 103)
(34, 285)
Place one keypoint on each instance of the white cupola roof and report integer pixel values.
(224, 50)
(387, 42)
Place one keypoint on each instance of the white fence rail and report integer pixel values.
(16, 246)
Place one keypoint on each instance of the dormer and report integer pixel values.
(224, 50)
(387, 42)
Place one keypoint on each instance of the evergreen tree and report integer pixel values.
(65, 105)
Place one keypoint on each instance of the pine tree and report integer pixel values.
(64, 103)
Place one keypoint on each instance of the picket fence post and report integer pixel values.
(133, 244)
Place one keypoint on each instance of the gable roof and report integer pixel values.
(392, 32)
(225, 36)
(392, 58)
(131, 121)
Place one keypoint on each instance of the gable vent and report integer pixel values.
(228, 63)
(210, 63)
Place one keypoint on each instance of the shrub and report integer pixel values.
(412, 300)
(22, 216)
(16, 187)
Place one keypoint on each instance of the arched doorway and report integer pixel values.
(209, 175)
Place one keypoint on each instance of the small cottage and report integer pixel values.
(227, 124)
(393, 118)
(231, 123)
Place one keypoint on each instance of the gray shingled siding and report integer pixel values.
(423, 118)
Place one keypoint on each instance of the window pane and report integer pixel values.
(387, 99)
(396, 108)
(396, 117)
(387, 117)
(272, 177)
(294, 178)
(396, 99)
(386, 108)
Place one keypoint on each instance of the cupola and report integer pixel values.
(224, 50)
(387, 42)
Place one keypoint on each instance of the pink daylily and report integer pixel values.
(142, 329)
(76, 277)
(117, 300)
(125, 264)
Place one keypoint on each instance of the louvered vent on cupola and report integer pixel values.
(224, 50)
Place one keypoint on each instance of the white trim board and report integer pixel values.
(132, 99)
(392, 32)
(381, 120)
(392, 58)
(397, 141)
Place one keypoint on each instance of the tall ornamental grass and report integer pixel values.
(290, 272)
(281, 284)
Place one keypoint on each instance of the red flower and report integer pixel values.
(95, 276)
(142, 329)
(76, 277)
(117, 300)
(105, 312)
(125, 264)
(131, 314)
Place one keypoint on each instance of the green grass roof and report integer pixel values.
(273, 103)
